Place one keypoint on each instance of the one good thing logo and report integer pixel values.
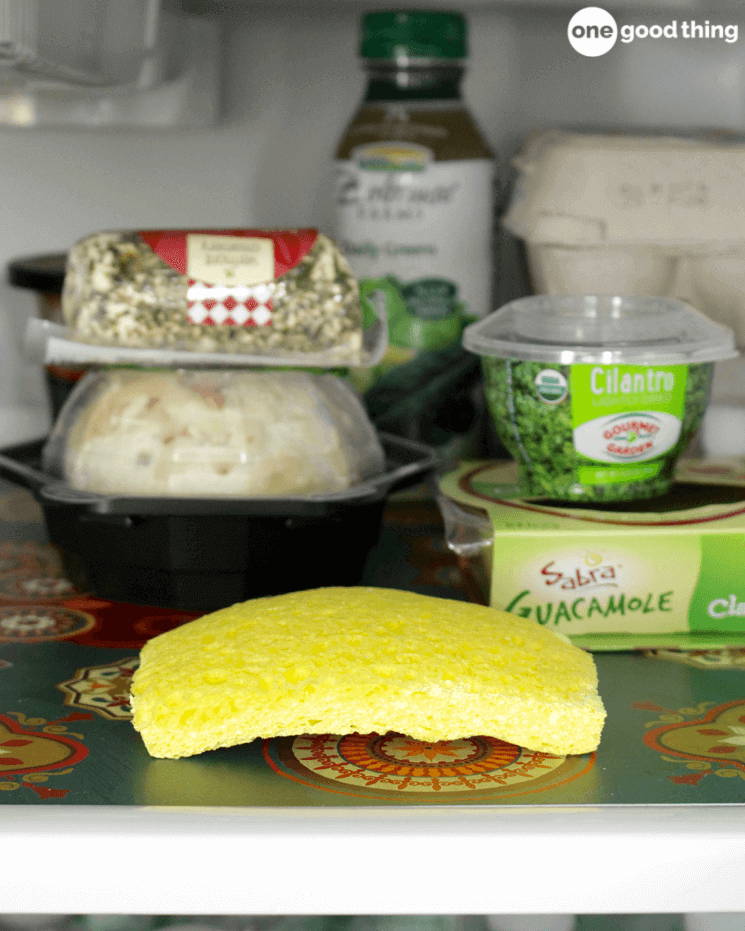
(593, 31)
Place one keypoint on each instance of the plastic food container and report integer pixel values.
(202, 553)
(265, 296)
(597, 397)
(213, 433)
(635, 215)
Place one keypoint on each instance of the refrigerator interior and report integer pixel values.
(290, 80)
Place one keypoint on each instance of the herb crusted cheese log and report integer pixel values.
(121, 291)
(345, 660)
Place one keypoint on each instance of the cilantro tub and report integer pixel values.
(596, 397)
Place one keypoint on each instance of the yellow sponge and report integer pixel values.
(345, 660)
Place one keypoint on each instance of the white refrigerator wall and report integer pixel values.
(291, 82)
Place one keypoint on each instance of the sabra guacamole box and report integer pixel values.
(668, 572)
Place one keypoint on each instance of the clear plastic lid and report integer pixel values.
(212, 433)
(600, 329)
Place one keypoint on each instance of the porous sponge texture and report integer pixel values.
(364, 660)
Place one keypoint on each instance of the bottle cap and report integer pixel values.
(413, 34)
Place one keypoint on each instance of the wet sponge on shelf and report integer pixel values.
(364, 660)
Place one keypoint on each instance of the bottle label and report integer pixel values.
(423, 226)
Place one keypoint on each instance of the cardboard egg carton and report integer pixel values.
(632, 215)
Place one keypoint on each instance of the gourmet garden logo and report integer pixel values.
(627, 437)
(630, 438)
(593, 31)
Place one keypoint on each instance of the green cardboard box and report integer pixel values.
(667, 572)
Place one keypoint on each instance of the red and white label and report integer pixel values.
(218, 305)
(230, 272)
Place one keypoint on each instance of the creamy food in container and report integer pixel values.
(596, 397)
(211, 433)
(250, 292)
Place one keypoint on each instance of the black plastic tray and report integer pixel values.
(200, 554)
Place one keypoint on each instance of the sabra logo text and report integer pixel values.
(592, 574)
(726, 607)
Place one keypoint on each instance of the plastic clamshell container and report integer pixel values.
(213, 433)
(204, 553)
(214, 297)
(636, 215)
(45, 275)
(596, 397)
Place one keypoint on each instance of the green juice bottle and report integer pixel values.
(414, 215)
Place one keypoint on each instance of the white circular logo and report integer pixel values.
(551, 386)
(592, 31)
